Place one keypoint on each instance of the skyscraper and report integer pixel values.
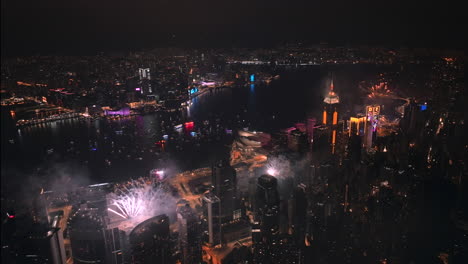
(331, 102)
(150, 241)
(372, 114)
(43, 245)
(189, 240)
(298, 213)
(267, 206)
(144, 73)
(269, 246)
(87, 238)
(115, 245)
(330, 114)
(145, 80)
(212, 212)
(357, 126)
(224, 183)
(297, 141)
(311, 122)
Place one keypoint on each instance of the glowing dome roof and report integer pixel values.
(332, 97)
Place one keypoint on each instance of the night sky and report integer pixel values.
(51, 26)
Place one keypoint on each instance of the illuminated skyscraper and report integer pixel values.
(145, 80)
(144, 73)
(372, 114)
(212, 212)
(365, 126)
(357, 126)
(330, 114)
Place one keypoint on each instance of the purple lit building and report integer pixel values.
(123, 112)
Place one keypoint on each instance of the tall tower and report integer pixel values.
(330, 113)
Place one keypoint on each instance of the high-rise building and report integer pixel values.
(354, 148)
(265, 231)
(372, 114)
(229, 222)
(212, 212)
(298, 214)
(144, 73)
(25, 240)
(297, 141)
(269, 245)
(222, 208)
(150, 241)
(43, 245)
(267, 206)
(331, 102)
(189, 235)
(224, 183)
(116, 241)
(145, 81)
(86, 230)
(311, 122)
(365, 126)
(357, 126)
(330, 114)
(414, 119)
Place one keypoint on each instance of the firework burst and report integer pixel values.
(279, 167)
(135, 198)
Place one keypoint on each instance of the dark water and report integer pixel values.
(80, 148)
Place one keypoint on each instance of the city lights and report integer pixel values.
(282, 165)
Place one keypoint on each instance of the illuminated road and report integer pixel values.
(181, 183)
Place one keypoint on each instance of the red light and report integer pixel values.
(11, 216)
(189, 126)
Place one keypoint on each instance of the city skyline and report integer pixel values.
(53, 27)
(228, 132)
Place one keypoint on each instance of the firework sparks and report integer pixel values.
(279, 167)
(135, 198)
(272, 171)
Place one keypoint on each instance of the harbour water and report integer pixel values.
(107, 150)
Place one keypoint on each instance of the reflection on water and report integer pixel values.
(257, 106)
